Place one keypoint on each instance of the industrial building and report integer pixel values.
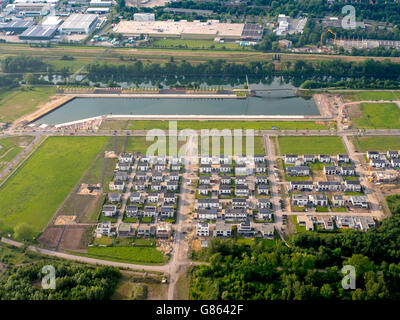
(98, 10)
(16, 26)
(52, 21)
(144, 17)
(287, 25)
(101, 4)
(38, 33)
(252, 32)
(79, 23)
(31, 9)
(210, 30)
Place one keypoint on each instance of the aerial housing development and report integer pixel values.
(200, 150)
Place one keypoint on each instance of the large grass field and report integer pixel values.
(374, 95)
(85, 54)
(378, 116)
(144, 255)
(220, 125)
(10, 147)
(17, 102)
(36, 190)
(311, 145)
(382, 144)
(196, 44)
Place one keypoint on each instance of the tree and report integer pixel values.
(30, 78)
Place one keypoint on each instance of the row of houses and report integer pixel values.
(239, 159)
(384, 163)
(161, 231)
(310, 158)
(245, 229)
(321, 200)
(236, 209)
(240, 169)
(331, 186)
(329, 223)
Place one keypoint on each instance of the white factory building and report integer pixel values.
(101, 4)
(52, 21)
(144, 17)
(79, 23)
(181, 29)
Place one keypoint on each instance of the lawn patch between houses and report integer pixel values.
(311, 145)
(378, 116)
(381, 144)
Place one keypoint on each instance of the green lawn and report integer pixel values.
(311, 145)
(196, 44)
(202, 124)
(145, 255)
(375, 95)
(382, 144)
(17, 102)
(36, 190)
(378, 116)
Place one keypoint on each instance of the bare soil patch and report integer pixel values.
(50, 237)
(75, 238)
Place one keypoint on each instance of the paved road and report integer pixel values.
(164, 268)
(12, 165)
(274, 186)
(180, 260)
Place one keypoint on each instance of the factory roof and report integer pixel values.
(39, 32)
(79, 21)
(211, 27)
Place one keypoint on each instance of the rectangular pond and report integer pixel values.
(275, 103)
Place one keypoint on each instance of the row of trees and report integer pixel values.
(72, 283)
(309, 269)
(327, 71)
(380, 10)
(20, 64)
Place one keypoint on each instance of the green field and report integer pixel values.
(374, 95)
(145, 255)
(222, 124)
(17, 102)
(36, 190)
(384, 143)
(202, 143)
(196, 44)
(378, 116)
(311, 145)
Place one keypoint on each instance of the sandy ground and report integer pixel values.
(53, 103)
(63, 220)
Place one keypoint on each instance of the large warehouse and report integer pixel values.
(79, 23)
(38, 33)
(16, 26)
(181, 29)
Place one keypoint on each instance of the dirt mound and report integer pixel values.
(63, 220)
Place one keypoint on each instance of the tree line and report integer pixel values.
(309, 269)
(73, 282)
(324, 71)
